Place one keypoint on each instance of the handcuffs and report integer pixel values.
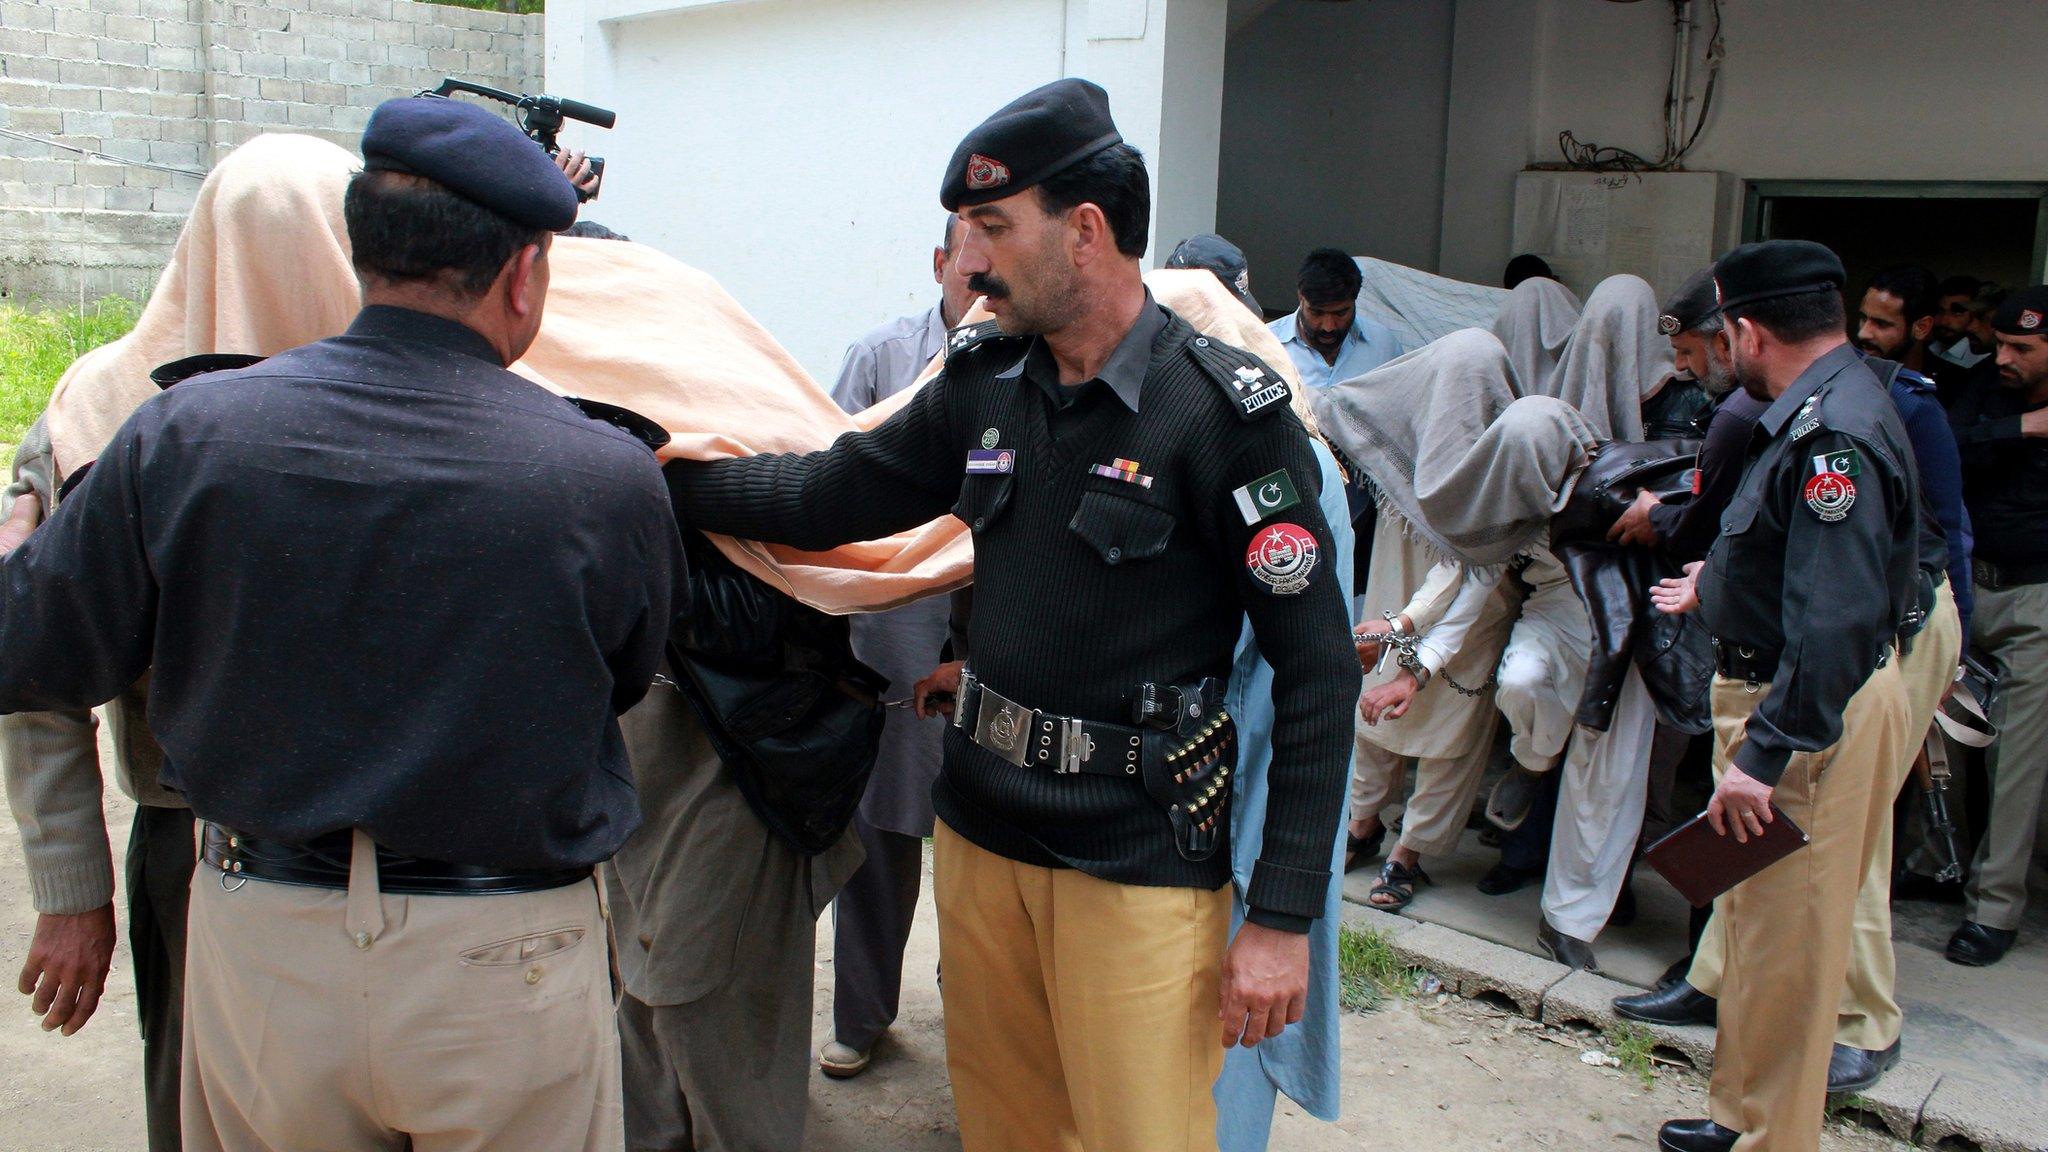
(1402, 646)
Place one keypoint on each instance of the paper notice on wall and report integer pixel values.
(1585, 221)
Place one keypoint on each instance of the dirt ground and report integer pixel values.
(1447, 1075)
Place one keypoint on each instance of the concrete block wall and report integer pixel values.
(177, 84)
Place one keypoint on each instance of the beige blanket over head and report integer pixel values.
(263, 265)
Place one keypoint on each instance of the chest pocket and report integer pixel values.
(1740, 515)
(1121, 529)
(984, 499)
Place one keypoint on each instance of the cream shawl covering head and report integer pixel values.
(1614, 358)
(263, 265)
(1533, 325)
(1463, 464)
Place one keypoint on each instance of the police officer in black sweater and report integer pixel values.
(1135, 490)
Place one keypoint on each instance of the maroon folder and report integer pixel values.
(1702, 863)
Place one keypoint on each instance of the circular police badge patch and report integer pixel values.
(1282, 556)
(1830, 495)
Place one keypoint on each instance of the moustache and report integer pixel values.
(988, 284)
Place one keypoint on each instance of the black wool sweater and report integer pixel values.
(1087, 586)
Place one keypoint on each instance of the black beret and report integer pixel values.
(1209, 251)
(2024, 313)
(1692, 305)
(1774, 268)
(1036, 136)
(475, 154)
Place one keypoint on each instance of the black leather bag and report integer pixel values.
(1673, 653)
(790, 711)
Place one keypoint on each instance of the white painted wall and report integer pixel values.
(1333, 134)
(1835, 89)
(794, 148)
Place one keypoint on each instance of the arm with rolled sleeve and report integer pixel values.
(1836, 608)
(1304, 635)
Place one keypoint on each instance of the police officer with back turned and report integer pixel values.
(394, 598)
(1804, 592)
(1135, 489)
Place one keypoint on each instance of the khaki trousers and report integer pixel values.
(344, 1021)
(1785, 931)
(2012, 624)
(1434, 819)
(1080, 1014)
(1869, 1015)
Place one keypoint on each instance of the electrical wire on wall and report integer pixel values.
(1680, 131)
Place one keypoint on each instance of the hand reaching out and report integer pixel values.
(1677, 595)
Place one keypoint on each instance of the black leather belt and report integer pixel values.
(2000, 576)
(1758, 665)
(1025, 736)
(324, 863)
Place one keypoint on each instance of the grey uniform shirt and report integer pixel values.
(904, 643)
(1816, 559)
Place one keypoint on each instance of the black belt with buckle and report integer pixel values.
(1998, 577)
(1758, 665)
(324, 863)
(1026, 736)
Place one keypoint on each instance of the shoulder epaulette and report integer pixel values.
(626, 420)
(970, 336)
(1806, 421)
(1914, 381)
(1252, 388)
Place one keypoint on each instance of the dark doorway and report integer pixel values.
(1991, 231)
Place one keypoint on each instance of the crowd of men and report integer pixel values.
(487, 856)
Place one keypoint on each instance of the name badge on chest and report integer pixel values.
(991, 461)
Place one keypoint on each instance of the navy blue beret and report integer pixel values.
(474, 153)
(1693, 304)
(1773, 268)
(2024, 313)
(1032, 138)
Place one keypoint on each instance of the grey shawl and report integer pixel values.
(1474, 472)
(1534, 323)
(1613, 359)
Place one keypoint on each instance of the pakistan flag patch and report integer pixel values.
(1265, 497)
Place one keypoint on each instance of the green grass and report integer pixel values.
(1369, 971)
(36, 346)
(520, 7)
(1633, 1047)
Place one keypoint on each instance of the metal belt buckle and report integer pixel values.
(969, 684)
(1076, 746)
(1003, 726)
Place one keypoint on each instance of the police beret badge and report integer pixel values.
(984, 172)
(2030, 319)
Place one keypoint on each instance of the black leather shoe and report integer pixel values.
(1677, 1005)
(1855, 1070)
(1512, 798)
(1569, 951)
(1676, 974)
(1502, 879)
(1696, 1136)
(1975, 946)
